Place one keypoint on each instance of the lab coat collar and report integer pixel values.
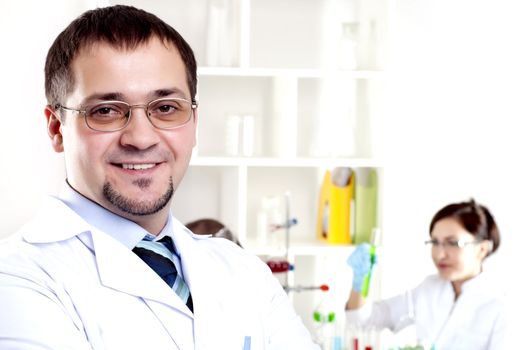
(118, 267)
(483, 285)
(475, 291)
(55, 222)
(473, 283)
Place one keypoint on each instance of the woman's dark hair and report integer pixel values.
(123, 27)
(212, 227)
(475, 218)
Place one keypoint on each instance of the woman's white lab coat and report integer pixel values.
(475, 321)
(66, 285)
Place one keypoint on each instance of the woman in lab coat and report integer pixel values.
(457, 308)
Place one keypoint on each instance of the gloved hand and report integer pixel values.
(361, 263)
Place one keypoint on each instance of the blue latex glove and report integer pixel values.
(361, 263)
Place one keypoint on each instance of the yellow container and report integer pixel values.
(334, 214)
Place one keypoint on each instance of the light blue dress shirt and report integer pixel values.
(123, 230)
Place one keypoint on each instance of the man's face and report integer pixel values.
(133, 171)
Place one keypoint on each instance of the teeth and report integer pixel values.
(138, 166)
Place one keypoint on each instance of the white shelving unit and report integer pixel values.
(303, 81)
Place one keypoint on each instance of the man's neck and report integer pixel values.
(128, 229)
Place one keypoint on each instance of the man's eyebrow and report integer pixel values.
(168, 92)
(106, 96)
(118, 96)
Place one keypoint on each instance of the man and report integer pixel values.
(87, 271)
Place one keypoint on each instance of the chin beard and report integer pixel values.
(137, 207)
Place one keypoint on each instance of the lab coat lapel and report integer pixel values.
(43, 227)
(214, 322)
(121, 269)
(464, 306)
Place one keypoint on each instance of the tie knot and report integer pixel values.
(163, 247)
(160, 257)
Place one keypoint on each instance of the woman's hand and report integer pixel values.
(361, 262)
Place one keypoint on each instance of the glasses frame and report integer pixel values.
(451, 244)
(144, 106)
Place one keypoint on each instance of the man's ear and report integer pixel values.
(54, 128)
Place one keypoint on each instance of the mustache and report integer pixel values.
(125, 154)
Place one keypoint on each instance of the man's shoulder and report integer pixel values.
(20, 260)
(217, 248)
(26, 254)
(15, 247)
(227, 255)
(222, 248)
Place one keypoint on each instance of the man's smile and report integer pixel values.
(143, 166)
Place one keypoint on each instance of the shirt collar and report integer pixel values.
(476, 282)
(123, 230)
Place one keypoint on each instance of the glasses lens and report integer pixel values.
(432, 243)
(450, 245)
(169, 113)
(454, 244)
(107, 116)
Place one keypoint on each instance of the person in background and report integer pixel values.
(460, 307)
(105, 265)
(212, 227)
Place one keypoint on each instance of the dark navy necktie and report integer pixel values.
(159, 256)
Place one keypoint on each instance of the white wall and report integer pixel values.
(454, 129)
(30, 168)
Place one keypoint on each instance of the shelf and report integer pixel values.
(293, 73)
(287, 90)
(298, 247)
(285, 162)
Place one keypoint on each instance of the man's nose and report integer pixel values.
(139, 133)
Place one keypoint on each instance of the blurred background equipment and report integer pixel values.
(212, 227)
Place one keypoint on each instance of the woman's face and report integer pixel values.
(456, 253)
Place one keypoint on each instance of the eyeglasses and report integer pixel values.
(450, 245)
(163, 113)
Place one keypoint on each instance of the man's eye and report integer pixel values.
(105, 111)
(166, 108)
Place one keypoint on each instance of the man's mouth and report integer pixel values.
(143, 166)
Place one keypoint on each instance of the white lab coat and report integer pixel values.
(475, 321)
(66, 285)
